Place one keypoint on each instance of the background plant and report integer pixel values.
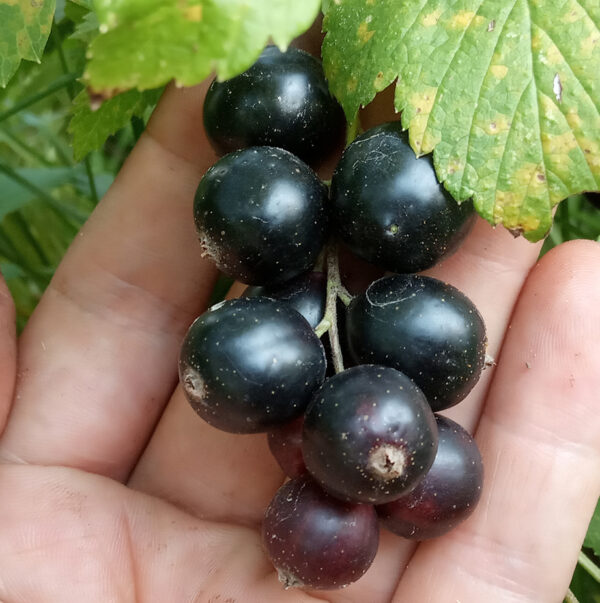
(80, 80)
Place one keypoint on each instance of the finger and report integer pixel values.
(98, 358)
(540, 446)
(8, 351)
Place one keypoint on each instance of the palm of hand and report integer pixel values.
(114, 491)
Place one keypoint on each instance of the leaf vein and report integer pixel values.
(567, 64)
(485, 73)
(537, 109)
(508, 137)
(583, 153)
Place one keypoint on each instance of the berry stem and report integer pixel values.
(329, 323)
(344, 295)
(333, 287)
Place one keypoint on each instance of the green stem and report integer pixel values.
(25, 147)
(58, 84)
(570, 597)
(344, 295)
(91, 179)
(329, 323)
(18, 217)
(333, 285)
(589, 566)
(62, 58)
(74, 214)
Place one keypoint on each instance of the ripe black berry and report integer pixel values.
(250, 364)
(423, 327)
(282, 101)
(261, 215)
(389, 207)
(369, 434)
(306, 294)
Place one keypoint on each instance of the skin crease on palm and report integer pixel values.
(114, 491)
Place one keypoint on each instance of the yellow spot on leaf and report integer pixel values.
(499, 125)
(423, 100)
(499, 71)
(508, 212)
(573, 119)
(553, 55)
(572, 15)
(430, 140)
(351, 85)
(455, 164)
(432, 19)
(529, 181)
(464, 18)
(364, 35)
(193, 13)
(370, 2)
(528, 223)
(422, 103)
(379, 81)
(558, 146)
(591, 150)
(503, 200)
(590, 44)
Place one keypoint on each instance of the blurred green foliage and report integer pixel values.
(45, 195)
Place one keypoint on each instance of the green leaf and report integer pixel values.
(13, 196)
(87, 29)
(90, 129)
(592, 539)
(145, 43)
(24, 30)
(87, 4)
(507, 93)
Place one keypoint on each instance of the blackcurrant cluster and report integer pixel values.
(359, 443)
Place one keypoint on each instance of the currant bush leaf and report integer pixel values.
(145, 43)
(90, 128)
(24, 31)
(87, 4)
(87, 29)
(506, 94)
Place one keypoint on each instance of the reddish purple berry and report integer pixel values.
(447, 495)
(317, 541)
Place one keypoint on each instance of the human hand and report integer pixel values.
(114, 490)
